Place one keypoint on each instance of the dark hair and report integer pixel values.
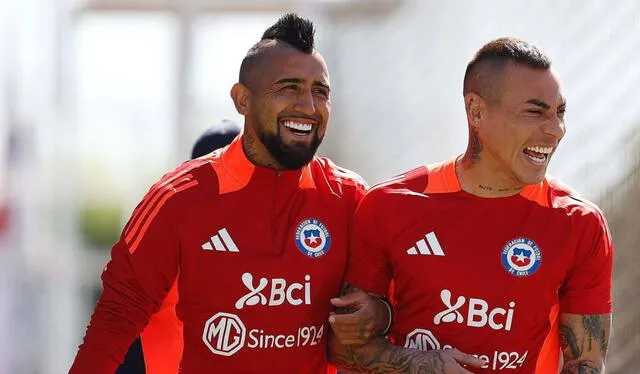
(291, 29)
(494, 56)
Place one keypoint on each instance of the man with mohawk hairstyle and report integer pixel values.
(488, 255)
(252, 238)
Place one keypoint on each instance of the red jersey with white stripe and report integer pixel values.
(249, 257)
(486, 276)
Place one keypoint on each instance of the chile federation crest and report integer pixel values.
(521, 257)
(313, 238)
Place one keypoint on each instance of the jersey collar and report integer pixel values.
(241, 170)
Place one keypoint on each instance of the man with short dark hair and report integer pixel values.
(488, 254)
(252, 238)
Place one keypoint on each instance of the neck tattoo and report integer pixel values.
(249, 147)
(487, 188)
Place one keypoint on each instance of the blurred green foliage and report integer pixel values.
(100, 225)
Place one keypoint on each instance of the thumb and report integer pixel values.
(350, 299)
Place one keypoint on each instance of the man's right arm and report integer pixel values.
(380, 356)
(144, 264)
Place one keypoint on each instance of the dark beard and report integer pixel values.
(291, 157)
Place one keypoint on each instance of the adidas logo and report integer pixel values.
(217, 241)
(433, 246)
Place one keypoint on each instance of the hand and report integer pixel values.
(452, 361)
(360, 317)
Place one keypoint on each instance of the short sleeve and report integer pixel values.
(587, 288)
(368, 264)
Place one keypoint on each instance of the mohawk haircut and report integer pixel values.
(296, 32)
(482, 75)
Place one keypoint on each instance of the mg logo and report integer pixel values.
(279, 292)
(478, 313)
(224, 334)
(422, 339)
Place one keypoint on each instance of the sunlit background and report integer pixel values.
(99, 98)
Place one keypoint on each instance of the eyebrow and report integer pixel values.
(544, 105)
(299, 81)
(539, 103)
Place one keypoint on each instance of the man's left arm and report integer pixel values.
(585, 299)
(584, 339)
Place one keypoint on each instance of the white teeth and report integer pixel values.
(543, 150)
(298, 126)
(539, 160)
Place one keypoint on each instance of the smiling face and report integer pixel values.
(287, 105)
(521, 128)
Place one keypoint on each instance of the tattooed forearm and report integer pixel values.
(584, 342)
(569, 343)
(380, 356)
(583, 367)
(597, 327)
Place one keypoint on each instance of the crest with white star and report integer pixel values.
(521, 257)
(312, 238)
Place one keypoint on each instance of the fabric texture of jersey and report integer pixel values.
(249, 256)
(486, 276)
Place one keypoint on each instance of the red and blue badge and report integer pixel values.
(313, 238)
(521, 257)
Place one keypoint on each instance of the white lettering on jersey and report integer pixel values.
(224, 334)
(478, 314)
(280, 292)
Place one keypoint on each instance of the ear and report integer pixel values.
(475, 107)
(240, 95)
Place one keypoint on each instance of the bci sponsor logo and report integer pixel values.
(478, 312)
(274, 292)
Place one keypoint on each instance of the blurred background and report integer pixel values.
(98, 98)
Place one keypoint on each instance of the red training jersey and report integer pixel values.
(249, 256)
(487, 276)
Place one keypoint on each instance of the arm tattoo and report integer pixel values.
(595, 327)
(582, 367)
(569, 342)
(584, 342)
(379, 356)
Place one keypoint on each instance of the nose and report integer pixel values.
(555, 127)
(305, 102)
